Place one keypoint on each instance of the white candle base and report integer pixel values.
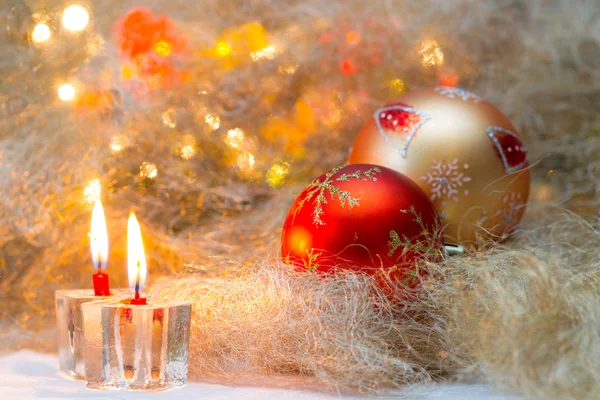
(69, 323)
(136, 347)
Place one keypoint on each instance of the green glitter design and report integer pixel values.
(420, 247)
(311, 265)
(316, 192)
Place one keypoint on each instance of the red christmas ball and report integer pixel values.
(365, 218)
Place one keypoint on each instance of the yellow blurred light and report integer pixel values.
(169, 118)
(212, 120)
(75, 18)
(92, 191)
(66, 92)
(353, 37)
(99, 237)
(137, 268)
(148, 170)
(162, 48)
(118, 143)
(245, 161)
(275, 176)
(187, 152)
(127, 72)
(223, 49)
(267, 53)
(431, 53)
(41, 33)
(235, 138)
(397, 86)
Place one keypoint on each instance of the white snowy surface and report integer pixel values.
(26, 375)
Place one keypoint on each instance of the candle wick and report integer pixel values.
(137, 279)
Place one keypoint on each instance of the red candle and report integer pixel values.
(101, 287)
(138, 301)
(99, 248)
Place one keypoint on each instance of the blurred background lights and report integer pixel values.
(169, 118)
(275, 176)
(187, 152)
(162, 48)
(66, 92)
(41, 33)
(431, 53)
(222, 48)
(235, 138)
(148, 170)
(287, 69)
(188, 147)
(75, 18)
(353, 37)
(213, 121)
(245, 161)
(397, 86)
(267, 53)
(92, 191)
(118, 143)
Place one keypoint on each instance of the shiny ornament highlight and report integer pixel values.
(364, 218)
(461, 150)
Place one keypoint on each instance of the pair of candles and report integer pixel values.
(114, 341)
(137, 269)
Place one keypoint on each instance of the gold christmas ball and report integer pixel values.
(461, 150)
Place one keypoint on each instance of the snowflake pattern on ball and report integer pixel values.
(445, 180)
(457, 93)
(399, 119)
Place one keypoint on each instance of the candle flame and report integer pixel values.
(99, 237)
(136, 260)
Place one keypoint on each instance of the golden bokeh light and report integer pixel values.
(287, 69)
(267, 53)
(41, 33)
(169, 118)
(66, 92)
(187, 152)
(148, 170)
(222, 49)
(275, 176)
(75, 18)
(431, 53)
(118, 143)
(213, 120)
(397, 86)
(94, 45)
(245, 161)
(92, 191)
(187, 147)
(162, 48)
(235, 138)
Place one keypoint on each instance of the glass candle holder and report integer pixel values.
(69, 322)
(136, 347)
